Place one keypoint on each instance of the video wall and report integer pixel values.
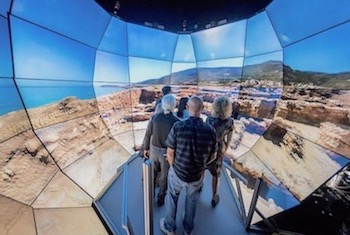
(78, 87)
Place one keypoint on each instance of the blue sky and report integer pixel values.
(143, 69)
(327, 52)
(151, 43)
(111, 68)
(233, 62)
(39, 53)
(4, 7)
(220, 42)
(291, 19)
(184, 49)
(84, 20)
(115, 38)
(261, 37)
(5, 52)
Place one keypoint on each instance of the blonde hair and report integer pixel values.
(222, 107)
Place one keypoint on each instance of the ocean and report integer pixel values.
(36, 96)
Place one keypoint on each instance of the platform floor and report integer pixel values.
(224, 219)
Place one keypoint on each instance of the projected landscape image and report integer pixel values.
(262, 85)
(76, 102)
(315, 101)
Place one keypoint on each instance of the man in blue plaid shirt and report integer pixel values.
(191, 147)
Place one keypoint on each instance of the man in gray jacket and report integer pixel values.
(159, 128)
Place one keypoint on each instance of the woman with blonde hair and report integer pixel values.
(222, 122)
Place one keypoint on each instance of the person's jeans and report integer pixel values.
(175, 184)
(161, 166)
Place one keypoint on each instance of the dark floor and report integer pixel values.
(223, 219)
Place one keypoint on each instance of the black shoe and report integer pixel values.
(215, 201)
(160, 202)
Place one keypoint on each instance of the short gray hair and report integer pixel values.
(168, 103)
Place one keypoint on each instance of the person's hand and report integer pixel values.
(146, 153)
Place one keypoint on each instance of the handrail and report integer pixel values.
(148, 195)
(248, 218)
(253, 203)
(238, 198)
(236, 173)
(125, 200)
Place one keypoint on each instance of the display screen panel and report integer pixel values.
(90, 20)
(100, 164)
(5, 7)
(115, 38)
(295, 20)
(184, 49)
(184, 74)
(324, 212)
(147, 71)
(50, 102)
(118, 120)
(262, 85)
(219, 77)
(111, 68)
(131, 140)
(70, 140)
(67, 219)
(13, 118)
(248, 131)
(220, 72)
(261, 37)
(220, 42)
(114, 104)
(52, 92)
(62, 192)
(116, 110)
(13, 210)
(301, 165)
(42, 54)
(5, 50)
(151, 43)
(112, 94)
(10, 99)
(273, 198)
(316, 93)
(27, 167)
(138, 138)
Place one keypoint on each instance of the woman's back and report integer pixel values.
(222, 126)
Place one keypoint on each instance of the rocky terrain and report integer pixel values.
(25, 167)
(75, 132)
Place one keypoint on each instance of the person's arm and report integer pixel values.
(171, 146)
(214, 149)
(212, 158)
(147, 139)
(170, 155)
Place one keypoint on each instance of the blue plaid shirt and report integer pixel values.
(194, 143)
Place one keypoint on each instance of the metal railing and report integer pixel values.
(148, 195)
(125, 224)
(253, 204)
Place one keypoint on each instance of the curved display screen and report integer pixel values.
(79, 86)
